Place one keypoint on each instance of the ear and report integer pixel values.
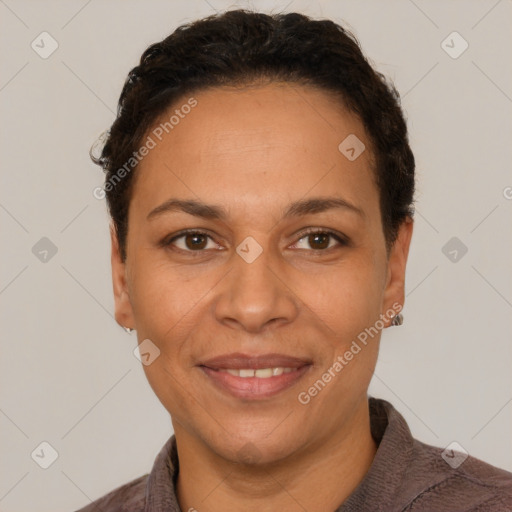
(123, 307)
(394, 292)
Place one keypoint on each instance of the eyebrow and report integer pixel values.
(215, 212)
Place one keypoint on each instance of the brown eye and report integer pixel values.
(319, 240)
(195, 241)
(192, 241)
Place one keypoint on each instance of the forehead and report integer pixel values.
(254, 146)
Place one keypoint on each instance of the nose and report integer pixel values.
(255, 295)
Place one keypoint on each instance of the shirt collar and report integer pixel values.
(381, 487)
(161, 484)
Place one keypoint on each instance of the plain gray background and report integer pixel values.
(68, 373)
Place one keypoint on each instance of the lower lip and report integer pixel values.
(254, 388)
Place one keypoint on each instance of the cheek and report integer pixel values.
(163, 298)
(346, 297)
(165, 306)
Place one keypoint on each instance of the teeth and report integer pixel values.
(261, 373)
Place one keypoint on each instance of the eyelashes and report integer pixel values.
(201, 239)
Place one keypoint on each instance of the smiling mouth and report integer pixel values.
(255, 377)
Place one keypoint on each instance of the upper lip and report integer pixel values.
(237, 361)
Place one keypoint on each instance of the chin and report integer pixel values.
(253, 449)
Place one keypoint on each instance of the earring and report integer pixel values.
(128, 330)
(397, 320)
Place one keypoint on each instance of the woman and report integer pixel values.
(260, 184)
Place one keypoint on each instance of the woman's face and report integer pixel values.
(254, 310)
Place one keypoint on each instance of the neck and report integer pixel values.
(318, 479)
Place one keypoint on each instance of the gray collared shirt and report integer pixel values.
(405, 475)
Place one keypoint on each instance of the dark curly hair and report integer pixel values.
(241, 47)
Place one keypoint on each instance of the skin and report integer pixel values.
(254, 150)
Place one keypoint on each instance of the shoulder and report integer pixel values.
(446, 480)
(129, 497)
